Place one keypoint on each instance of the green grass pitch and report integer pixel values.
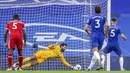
(64, 71)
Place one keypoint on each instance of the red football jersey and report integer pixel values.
(15, 28)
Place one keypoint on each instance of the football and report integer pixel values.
(78, 67)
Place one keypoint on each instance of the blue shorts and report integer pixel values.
(113, 47)
(97, 42)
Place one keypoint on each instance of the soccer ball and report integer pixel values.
(78, 67)
(16, 66)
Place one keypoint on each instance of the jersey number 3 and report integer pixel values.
(14, 26)
(98, 23)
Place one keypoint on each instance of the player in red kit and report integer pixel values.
(17, 31)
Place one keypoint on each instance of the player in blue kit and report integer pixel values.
(113, 44)
(97, 23)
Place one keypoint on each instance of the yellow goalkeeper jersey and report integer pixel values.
(53, 51)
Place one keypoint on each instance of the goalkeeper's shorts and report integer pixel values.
(40, 57)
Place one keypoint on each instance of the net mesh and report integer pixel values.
(49, 21)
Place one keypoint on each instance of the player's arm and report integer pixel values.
(64, 61)
(24, 36)
(87, 27)
(107, 29)
(5, 36)
(123, 36)
(87, 30)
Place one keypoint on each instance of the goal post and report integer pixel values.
(109, 22)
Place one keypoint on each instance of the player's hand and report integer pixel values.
(6, 45)
(89, 33)
(125, 38)
(58, 43)
(34, 45)
(24, 45)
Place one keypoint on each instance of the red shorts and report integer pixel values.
(15, 42)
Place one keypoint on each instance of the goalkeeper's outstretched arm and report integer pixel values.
(65, 62)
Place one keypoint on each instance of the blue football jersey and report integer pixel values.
(97, 24)
(113, 33)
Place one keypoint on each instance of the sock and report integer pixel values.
(20, 60)
(121, 61)
(26, 65)
(26, 59)
(103, 60)
(96, 54)
(9, 60)
(94, 59)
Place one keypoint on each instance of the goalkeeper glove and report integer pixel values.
(57, 43)
(73, 67)
(34, 45)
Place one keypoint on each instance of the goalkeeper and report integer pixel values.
(53, 51)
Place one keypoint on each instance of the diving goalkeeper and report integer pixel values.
(53, 51)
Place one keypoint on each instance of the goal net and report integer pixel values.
(50, 21)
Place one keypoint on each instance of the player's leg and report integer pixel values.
(37, 58)
(121, 61)
(103, 59)
(95, 50)
(20, 58)
(106, 46)
(19, 45)
(35, 61)
(102, 43)
(94, 58)
(29, 59)
(106, 50)
(10, 51)
(96, 54)
(15, 65)
(11, 47)
(117, 50)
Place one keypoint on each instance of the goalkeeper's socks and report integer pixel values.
(26, 59)
(9, 60)
(94, 59)
(103, 60)
(20, 60)
(26, 65)
(96, 54)
(121, 61)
